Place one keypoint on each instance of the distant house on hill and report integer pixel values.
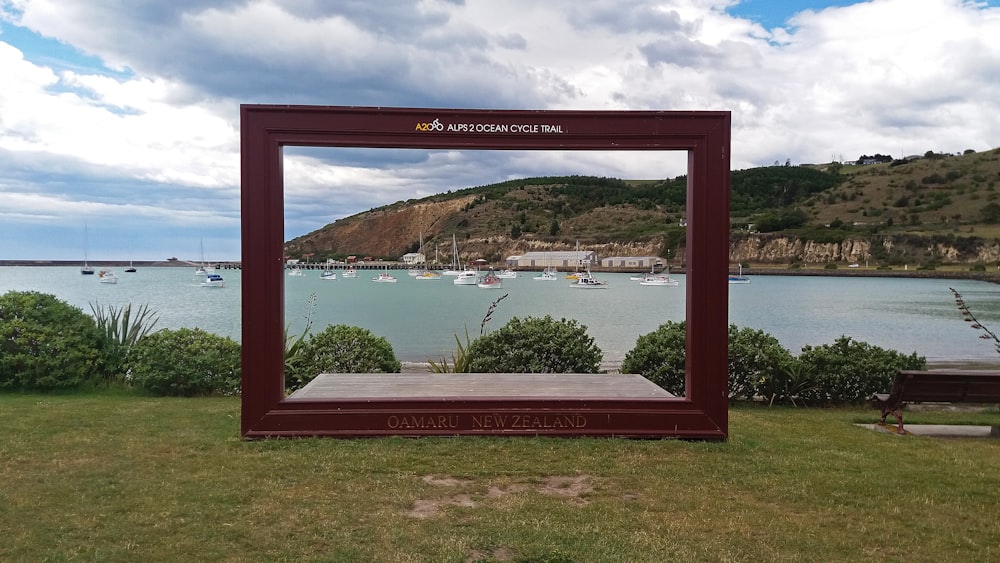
(640, 262)
(554, 259)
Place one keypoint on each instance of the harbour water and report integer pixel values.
(420, 318)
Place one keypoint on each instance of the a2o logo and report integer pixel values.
(432, 126)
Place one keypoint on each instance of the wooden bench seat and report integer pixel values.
(940, 386)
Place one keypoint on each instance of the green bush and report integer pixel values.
(754, 357)
(535, 345)
(186, 362)
(340, 349)
(850, 372)
(659, 357)
(46, 344)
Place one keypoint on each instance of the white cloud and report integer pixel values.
(876, 76)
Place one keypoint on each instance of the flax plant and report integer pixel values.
(122, 328)
(293, 344)
(974, 323)
(460, 359)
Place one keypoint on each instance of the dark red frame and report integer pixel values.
(265, 129)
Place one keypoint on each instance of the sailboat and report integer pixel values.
(575, 274)
(85, 269)
(455, 267)
(203, 270)
(548, 274)
(424, 273)
(131, 268)
(740, 278)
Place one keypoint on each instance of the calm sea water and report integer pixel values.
(421, 317)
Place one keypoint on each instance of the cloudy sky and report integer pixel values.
(120, 120)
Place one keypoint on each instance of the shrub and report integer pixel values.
(341, 349)
(755, 357)
(849, 371)
(535, 345)
(46, 344)
(186, 362)
(659, 356)
(788, 384)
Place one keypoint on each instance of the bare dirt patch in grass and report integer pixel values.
(569, 487)
(572, 488)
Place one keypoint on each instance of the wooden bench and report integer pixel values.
(945, 386)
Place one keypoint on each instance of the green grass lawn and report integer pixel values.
(112, 477)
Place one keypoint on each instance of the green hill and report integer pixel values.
(891, 209)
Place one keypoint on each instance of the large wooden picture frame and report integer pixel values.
(266, 411)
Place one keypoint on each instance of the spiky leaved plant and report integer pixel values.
(460, 360)
(294, 343)
(121, 328)
(974, 322)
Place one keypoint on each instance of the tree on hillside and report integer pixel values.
(991, 212)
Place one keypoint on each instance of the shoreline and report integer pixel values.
(987, 276)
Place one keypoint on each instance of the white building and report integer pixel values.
(553, 259)
(631, 262)
(412, 258)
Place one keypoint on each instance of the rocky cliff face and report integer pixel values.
(387, 232)
(778, 249)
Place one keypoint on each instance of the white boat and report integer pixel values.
(384, 277)
(589, 282)
(85, 270)
(643, 276)
(739, 278)
(507, 274)
(213, 280)
(202, 269)
(660, 280)
(328, 275)
(586, 280)
(350, 273)
(663, 279)
(296, 272)
(108, 276)
(548, 274)
(455, 269)
(489, 281)
(466, 277)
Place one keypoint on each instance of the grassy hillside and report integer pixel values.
(950, 198)
(933, 194)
